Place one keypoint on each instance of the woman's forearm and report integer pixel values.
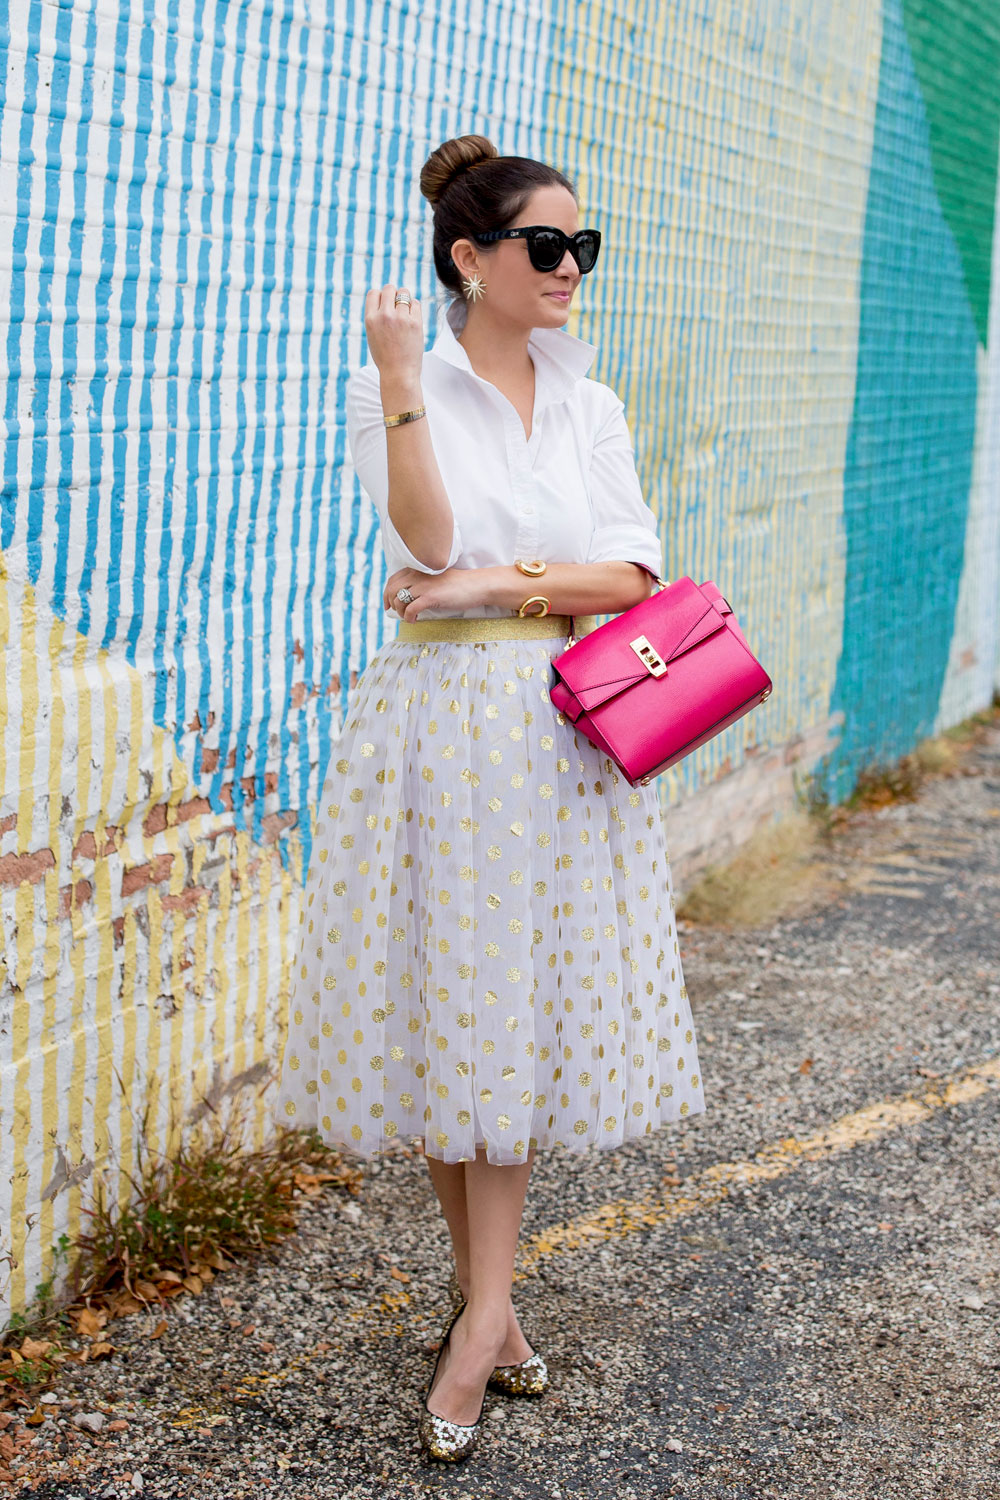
(419, 507)
(604, 588)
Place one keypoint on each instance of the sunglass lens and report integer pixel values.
(586, 250)
(546, 250)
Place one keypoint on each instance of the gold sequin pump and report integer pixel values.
(448, 1441)
(529, 1378)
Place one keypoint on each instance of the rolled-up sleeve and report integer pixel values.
(366, 440)
(625, 528)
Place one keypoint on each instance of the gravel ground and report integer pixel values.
(792, 1295)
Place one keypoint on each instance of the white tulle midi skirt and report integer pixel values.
(487, 954)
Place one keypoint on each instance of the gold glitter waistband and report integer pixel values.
(501, 628)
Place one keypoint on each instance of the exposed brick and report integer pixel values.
(210, 760)
(298, 694)
(85, 846)
(17, 869)
(274, 824)
(76, 895)
(8, 823)
(155, 820)
(195, 807)
(142, 875)
(185, 900)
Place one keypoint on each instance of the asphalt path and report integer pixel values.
(794, 1294)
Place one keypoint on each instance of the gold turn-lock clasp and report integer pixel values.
(649, 656)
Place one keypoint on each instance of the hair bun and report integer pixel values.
(450, 160)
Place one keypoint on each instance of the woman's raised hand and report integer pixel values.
(395, 333)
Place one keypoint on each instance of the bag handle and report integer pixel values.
(662, 583)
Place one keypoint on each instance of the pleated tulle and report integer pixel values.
(488, 953)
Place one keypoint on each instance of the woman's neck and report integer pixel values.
(497, 352)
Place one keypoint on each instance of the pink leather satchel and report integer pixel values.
(660, 679)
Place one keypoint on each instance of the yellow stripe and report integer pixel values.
(27, 899)
(627, 1215)
(101, 1079)
(247, 921)
(47, 1043)
(630, 1216)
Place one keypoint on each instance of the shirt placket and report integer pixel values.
(523, 488)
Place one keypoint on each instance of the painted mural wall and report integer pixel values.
(798, 203)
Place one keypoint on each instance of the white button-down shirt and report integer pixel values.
(567, 493)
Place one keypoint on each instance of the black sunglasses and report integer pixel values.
(547, 246)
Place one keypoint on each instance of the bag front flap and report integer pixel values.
(673, 620)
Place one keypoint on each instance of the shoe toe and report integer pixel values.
(529, 1378)
(446, 1440)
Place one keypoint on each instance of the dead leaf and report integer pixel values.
(162, 1276)
(160, 1328)
(101, 1351)
(171, 1288)
(35, 1348)
(37, 1417)
(397, 1274)
(122, 1303)
(90, 1321)
(193, 1283)
(806, 1066)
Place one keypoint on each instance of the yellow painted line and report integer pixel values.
(711, 1186)
(628, 1216)
(878, 888)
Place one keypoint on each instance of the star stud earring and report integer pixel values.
(474, 287)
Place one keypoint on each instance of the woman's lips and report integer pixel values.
(558, 296)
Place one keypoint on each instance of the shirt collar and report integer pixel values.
(559, 357)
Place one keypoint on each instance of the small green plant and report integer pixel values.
(212, 1202)
(191, 1212)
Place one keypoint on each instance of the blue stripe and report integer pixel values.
(163, 661)
(280, 345)
(224, 322)
(102, 299)
(18, 287)
(246, 717)
(42, 354)
(299, 796)
(67, 424)
(128, 310)
(209, 663)
(175, 458)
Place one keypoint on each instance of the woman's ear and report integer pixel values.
(466, 258)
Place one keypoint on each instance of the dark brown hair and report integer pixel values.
(473, 189)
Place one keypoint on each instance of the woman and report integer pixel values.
(489, 958)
